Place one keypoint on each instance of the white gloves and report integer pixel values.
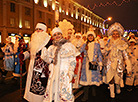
(100, 68)
(70, 77)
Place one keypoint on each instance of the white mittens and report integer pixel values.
(70, 77)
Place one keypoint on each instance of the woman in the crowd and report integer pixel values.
(62, 56)
(116, 55)
(77, 42)
(8, 57)
(132, 79)
(91, 66)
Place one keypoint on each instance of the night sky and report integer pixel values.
(126, 14)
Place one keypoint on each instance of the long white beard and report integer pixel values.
(38, 41)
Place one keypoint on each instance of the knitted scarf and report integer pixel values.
(59, 45)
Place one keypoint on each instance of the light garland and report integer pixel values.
(108, 3)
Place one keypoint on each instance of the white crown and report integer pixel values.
(116, 26)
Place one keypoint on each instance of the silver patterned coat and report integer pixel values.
(117, 57)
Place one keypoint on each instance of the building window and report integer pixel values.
(27, 24)
(69, 5)
(12, 7)
(12, 22)
(0, 37)
(63, 2)
(40, 14)
(27, 0)
(27, 11)
(49, 8)
(40, 3)
(49, 21)
(74, 8)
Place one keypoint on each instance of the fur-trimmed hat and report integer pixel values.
(91, 32)
(8, 39)
(132, 40)
(78, 34)
(55, 30)
(116, 26)
(131, 34)
(41, 26)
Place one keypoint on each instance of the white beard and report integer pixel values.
(38, 41)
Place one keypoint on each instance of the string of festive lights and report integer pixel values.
(107, 3)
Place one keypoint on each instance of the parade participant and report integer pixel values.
(116, 54)
(70, 34)
(77, 42)
(38, 71)
(84, 37)
(62, 55)
(132, 36)
(105, 39)
(104, 43)
(98, 38)
(91, 66)
(19, 47)
(67, 29)
(8, 57)
(132, 79)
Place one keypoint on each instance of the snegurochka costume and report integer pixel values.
(116, 52)
(8, 55)
(132, 79)
(91, 77)
(62, 54)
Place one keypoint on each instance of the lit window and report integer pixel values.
(27, 24)
(12, 22)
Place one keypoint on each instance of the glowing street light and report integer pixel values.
(108, 19)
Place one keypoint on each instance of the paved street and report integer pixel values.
(10, 92)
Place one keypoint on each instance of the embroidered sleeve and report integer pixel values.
(99, 55)
(26, 55)
(82, 48)
(45, 55)
(72, 65)
(127, 60)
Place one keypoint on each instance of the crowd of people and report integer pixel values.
(65, 61)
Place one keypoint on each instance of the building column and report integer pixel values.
(20, 19)
(4, 33)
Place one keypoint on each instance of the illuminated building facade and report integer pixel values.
(21, 16)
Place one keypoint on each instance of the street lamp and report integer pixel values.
(108, 19)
